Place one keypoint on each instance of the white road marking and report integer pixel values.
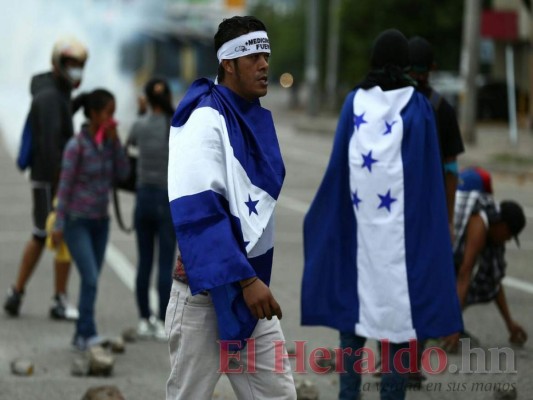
(519, 284)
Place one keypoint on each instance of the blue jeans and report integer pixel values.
(393, 384)
(86, 240)
(153, 223)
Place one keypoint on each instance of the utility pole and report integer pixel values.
(469, 68)
(530, 114)
(311, 64)
(333, 53)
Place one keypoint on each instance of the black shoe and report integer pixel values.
(13, 302)
(61, 309)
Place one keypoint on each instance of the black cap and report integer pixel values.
(420, 54)
(390, 48)
(513, 215)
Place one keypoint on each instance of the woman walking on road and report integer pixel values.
(92, 161)
(153, 222)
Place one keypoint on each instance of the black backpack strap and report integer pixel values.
(118, 214)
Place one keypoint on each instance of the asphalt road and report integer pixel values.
(140, 373)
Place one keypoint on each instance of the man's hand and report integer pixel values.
(259, 299)
(518, 334)
(450, 344)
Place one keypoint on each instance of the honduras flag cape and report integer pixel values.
(378, 257)
(225, 174)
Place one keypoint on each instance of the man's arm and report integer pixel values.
(450, 186)
(259, 299)
(256, 294)
(518, 334)
(476, 236)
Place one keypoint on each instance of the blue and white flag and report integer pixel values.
(225, 174)
(378, 257)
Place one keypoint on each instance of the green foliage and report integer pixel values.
(287, 37)
(360, 22)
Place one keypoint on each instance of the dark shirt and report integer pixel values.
(490, 266)
(451, 143)
(51, 124)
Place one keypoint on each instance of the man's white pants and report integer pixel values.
(195, 354)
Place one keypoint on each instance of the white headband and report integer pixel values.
(251, 43)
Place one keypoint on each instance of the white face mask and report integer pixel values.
(75, 74)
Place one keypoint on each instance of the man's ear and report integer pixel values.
(229, 66)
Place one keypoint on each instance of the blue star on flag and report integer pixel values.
(356, 200)
(251, 206)
(386, 200)
(359, 120)
(389, 127)
(368, 161)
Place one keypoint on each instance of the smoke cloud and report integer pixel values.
(28, 30)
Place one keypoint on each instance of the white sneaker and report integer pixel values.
(158, 329)
(62, 309)
(144, 329)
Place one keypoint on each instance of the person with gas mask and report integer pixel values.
(50, 122)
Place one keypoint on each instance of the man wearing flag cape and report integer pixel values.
(225, 174)
(378, 256)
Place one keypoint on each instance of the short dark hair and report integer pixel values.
(97, 100)
(157, 91)
(233, 27)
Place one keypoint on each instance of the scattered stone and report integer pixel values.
(129, 335)
(506, 394)
(100, 362)
(103, 393)
(306, 390)
(81, 366)
(117, 345)
(22, 367)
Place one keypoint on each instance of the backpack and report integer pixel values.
(25, 150)
(475, 179)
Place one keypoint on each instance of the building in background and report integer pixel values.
(506, 26)
(178, 45)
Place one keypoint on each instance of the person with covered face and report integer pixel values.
(50, 124)
(378, 258)
(92, 161)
